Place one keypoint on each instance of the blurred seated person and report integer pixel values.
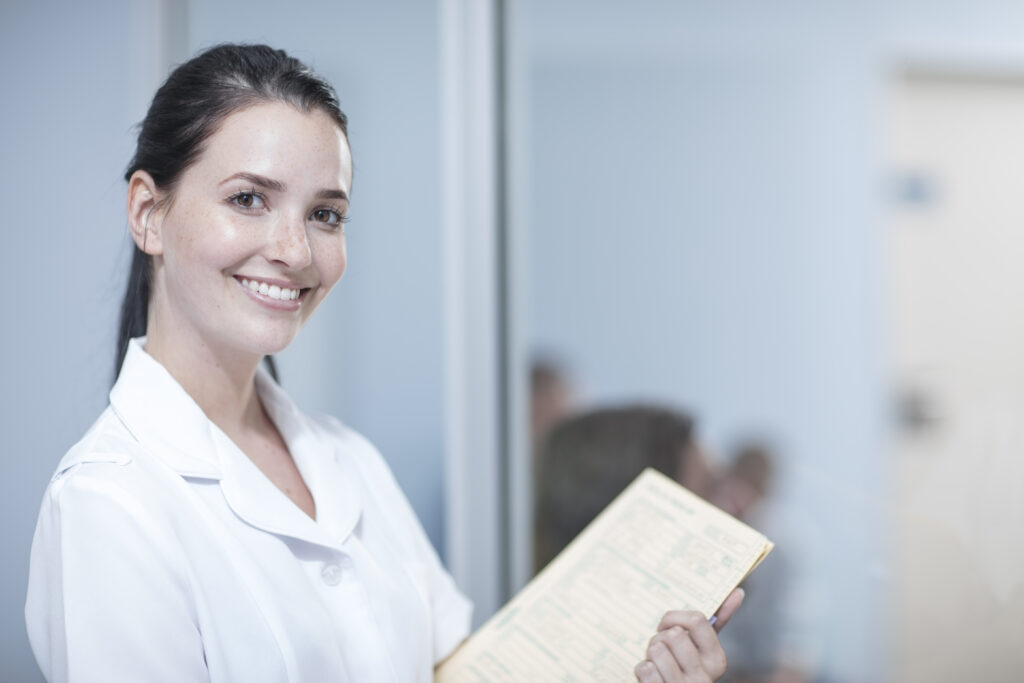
(773, 638)
(587, 460)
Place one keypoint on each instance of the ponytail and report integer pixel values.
(135, 305)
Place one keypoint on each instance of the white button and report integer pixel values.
(331, 574)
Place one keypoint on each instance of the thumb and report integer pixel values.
(728, 608)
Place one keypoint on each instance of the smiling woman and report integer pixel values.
(261, 207)
(205, 529)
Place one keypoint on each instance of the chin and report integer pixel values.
(274, 349)
(268, 344)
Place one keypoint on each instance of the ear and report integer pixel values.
(144, 215)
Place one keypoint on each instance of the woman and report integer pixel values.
(205, 528)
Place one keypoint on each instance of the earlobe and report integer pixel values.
(143, 215)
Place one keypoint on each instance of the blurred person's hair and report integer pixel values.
(189, 108)
(587, 460)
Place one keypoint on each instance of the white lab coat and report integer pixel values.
(163, 554)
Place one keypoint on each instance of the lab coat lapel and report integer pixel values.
(338, 505)
(161, 415)
(259, 503)
(251, 495)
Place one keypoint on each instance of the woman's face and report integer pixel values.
(253, 240)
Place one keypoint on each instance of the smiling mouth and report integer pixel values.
(273, 291)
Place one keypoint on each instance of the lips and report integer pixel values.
(272, 291)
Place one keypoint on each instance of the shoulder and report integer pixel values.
(106, 441)
(103, 476)
(107, 567)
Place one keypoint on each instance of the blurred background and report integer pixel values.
(797, 222)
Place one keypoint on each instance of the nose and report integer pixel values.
(289, 243)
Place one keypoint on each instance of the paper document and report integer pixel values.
(589, 615)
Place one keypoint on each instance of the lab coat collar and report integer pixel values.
(338, 504)
(161, 415)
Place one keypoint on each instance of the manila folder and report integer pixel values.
(589, 614)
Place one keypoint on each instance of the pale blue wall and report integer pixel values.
(703, 189)
(371, 356)
(64, 141)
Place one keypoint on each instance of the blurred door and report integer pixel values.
(956, 258)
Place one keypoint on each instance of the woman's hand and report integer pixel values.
(686, 647)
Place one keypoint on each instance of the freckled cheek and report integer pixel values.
(202, 240)
(331, 260)
(219, 252)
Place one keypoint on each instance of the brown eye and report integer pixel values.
(328, 216)
(247, 200)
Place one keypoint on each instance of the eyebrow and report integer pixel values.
(278, 186)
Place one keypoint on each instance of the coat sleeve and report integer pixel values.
(451, 611)
(108, 595)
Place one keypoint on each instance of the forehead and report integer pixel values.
(279, 141)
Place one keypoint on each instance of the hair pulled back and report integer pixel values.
(186, 111)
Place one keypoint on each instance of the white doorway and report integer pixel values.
(956, 282)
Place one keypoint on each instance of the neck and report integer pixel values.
(221, 382)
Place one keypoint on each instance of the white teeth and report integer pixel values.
(272, 291)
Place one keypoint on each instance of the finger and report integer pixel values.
(669, 667)
(689, 619)
(684, 650)
(704, 637)
(721, 617)
(647, 672)
(728, 608)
